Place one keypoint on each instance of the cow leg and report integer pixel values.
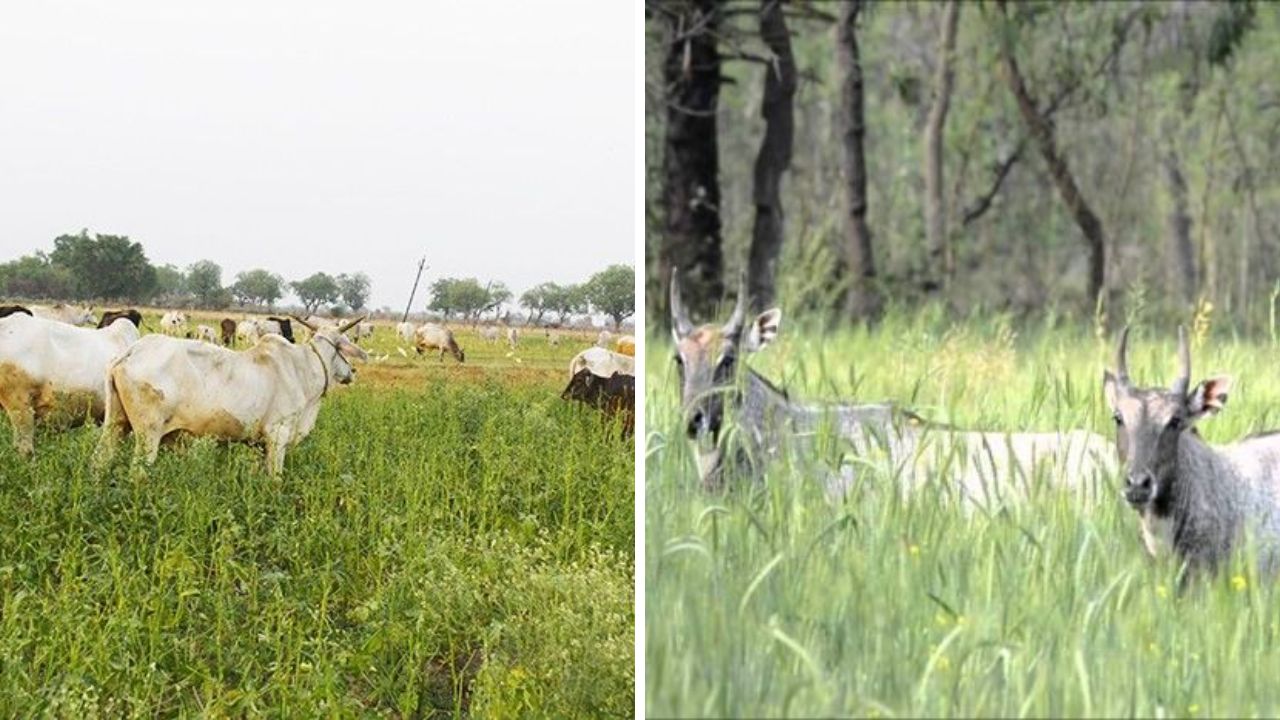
(277, 443)
(22, 415)
(114, 423)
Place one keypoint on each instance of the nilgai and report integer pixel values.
(1193, 499)
(982, 468)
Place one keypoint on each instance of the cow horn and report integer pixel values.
(678, 312)
(308, 325)
(1183, 381)
(1122, 350)
(734, 326)
(347, 326)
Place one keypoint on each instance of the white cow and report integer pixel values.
(512, 337)
(489, 333)
(69, 314)
(405, 330)
(437, 337)
(248, 331)
(269, 393)
(47, 367)
(173, 323)
(207, 334)
(602, 363)
(269, 327)
(363, 330)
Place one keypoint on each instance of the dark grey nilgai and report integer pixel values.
(981, 467)
(1193, 499)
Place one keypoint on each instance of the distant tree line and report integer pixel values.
(610, 292)
(86, 268)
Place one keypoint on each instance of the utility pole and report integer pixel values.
(422, 264)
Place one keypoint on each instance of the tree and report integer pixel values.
(935, 209)
(774, 157)
(171, 284)
(540, 300)
(496, 294)
(690, 164)
(464, 296)
(863, 299)
(34, 276)
(204, 282)
(354, 289)
(612, 292)
(567, 301)
(258, 286)
(318, 289)
(105, 266)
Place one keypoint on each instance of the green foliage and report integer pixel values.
(171, 284)
(108, 267)
(781, 601)
(424, 554)
(35, 276)
(467, 297)
(354, 289)
(204, 282)
(540, 299)
(257, 286)
(612, 291)
(316, 290)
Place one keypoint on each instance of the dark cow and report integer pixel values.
(7, 310)
(228, 327)
(614, 394)
(286, 329)
(111, 316)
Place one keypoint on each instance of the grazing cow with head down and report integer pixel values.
(228, 328)
(613, 394)
(268, 394)
(111, 316)
(49, 368)
(437, 337)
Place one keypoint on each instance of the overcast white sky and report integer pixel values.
(496, 138)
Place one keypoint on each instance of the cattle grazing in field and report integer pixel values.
(111, 316)
(513, 337)
(49, 368)
(979, 468)
(205, 333)
(268, 394)
(7, 310)
(489, 333)
(405, 331)
(1192, 498)
(248, 330)
(437, 337)
(362, 331)
(285, 326)
(602, 363)
(68, 314)
(173, 323)
(613, 394)
(228, 328)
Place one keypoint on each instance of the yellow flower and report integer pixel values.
(1162, 591)
(1193, 709)
(914, 550)
(1239, 583)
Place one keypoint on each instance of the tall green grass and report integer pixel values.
(446, 546)
(780, 602)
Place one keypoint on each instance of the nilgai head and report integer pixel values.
(342, 350)
(707, 361)
(1151, 422)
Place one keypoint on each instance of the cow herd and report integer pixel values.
(58, 366)
(1192, 499)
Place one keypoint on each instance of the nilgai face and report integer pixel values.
(1193, 499)
(707, 362)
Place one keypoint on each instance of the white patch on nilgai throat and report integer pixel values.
(707, 461)
(1157, 534)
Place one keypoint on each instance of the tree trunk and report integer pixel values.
(690, 167)
(1041, 131)
(935, 211)
(862, 301)
(1182, 253)
(775, 155)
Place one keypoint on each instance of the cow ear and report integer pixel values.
(1209, 397)
(763, 329)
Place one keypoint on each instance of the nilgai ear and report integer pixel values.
(763, 329)
(1109, 388)
(1209, 397)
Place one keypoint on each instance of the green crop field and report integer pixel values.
(450, 540)
(776, 601)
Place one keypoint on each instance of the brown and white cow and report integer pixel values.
(437, 337)
(50, 370)
(268, 394)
